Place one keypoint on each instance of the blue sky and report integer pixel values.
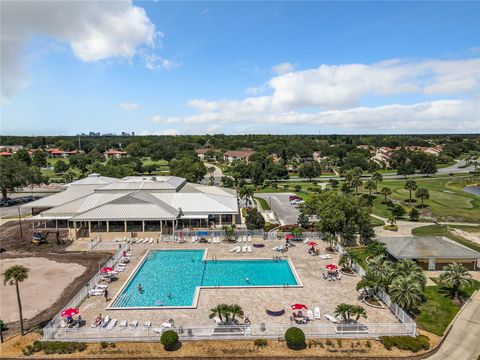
(246, 67)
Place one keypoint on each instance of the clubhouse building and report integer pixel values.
(134, 204)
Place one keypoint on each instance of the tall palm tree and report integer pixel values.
(358, 311)
(455, 276)
(356, 183)
(385, 191)
(219, 311)
(347, 259)
(410, 185)
(371, 185)
(392, 220)
(422, 193)
(405, 293)
(375, 248)
(13, 276)
(329, 239)
(235, 310)
(377, 177)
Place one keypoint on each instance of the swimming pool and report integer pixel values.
(172, 278)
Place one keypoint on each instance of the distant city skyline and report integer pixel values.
(181, 68)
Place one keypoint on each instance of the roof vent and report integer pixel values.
(154, 178)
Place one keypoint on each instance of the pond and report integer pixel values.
(472, 189)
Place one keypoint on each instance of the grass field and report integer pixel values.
(443, 230)
(439, 309)
(447, 199)
(263, 203)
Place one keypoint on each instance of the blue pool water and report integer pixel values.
(170, 277)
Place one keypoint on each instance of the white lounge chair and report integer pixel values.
(249, 248)
(95, 292)
(244, 239)
(249, 238)
(134, 324)
(233, 249)
(216, 240)
(217, 320)
(101, 286)
(105, 321)
(309, 314)
(112, 324)
(317, 313)
(238, 249)
(331, 318)
(123, 324)
(244, 248)
(147, 325)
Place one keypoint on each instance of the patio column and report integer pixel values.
(220, 217)
(125, 225)
(161, 227)
(234, 218)
(108, 226)
(143, 226)
(89, 227)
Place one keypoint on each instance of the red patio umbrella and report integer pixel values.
(69, 312)
(331, 267)
(106, 270)
(312, 243)
(289, 236)
(299, 306)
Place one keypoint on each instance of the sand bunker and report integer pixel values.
(46, 281)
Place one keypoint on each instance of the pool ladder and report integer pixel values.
(151, 256)
(122, 300)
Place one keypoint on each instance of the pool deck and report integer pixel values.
(315, 291)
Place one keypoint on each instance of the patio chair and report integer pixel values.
(317, 313)
(123, 324)
(249, 238)
(244, 248)
(309, 315)
(147, 325)
(330, 318)
(249, 248)
(217, 320)
(134, 324)
(112, 324)
(105, 321)
(95, 292)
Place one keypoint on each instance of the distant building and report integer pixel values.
(59, 153)
(431, 252)
(382, 156)
(5, 153)
(10, 148)
(201, 153)
(237, 155)
(111, 153)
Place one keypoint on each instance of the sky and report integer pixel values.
(176, 68)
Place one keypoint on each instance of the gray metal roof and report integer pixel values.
(420, 247)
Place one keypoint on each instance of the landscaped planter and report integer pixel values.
(348, 273)
(328, 251)
(376, 303)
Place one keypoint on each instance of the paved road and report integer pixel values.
(462, 342)
(287, 213)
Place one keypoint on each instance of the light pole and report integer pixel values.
(20, 222)
(270, 202)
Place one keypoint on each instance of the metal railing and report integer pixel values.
(263, 330)
(54, 324)
(94, 242)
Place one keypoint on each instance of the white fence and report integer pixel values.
(269, 331)
(239, 232)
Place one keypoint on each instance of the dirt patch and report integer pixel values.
(475, 237)
(12, 240)
(90, 261)
(322, 348)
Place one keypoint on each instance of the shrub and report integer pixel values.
(169, 340)
(54, 347)
(391, 227)
(103, 344)
(260, 342)
(414, 344)
(113, 345)
(329, 342)
(295, 338)
(298, 188)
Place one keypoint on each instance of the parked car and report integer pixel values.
(294, 197)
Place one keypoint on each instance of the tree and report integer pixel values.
(14, 174)
(343, 310)
(408, 268)
(371, 185)
(410, 185)
(358, 311)
(60, 167)
(406, 169)
(295, 338)
(405, 293)
(377, 177)
(310, 170)
(3, 327)
(81, 162)
(303, 220)
(13, 276)
(414, 215)
(455, 276)
(23, 155)
(227, 181)
(150, 169)
(347, 259)
(39, 159)
(422, 194)
(254, 219)
(235, 310)
(428, 165)
(169, 340)
(333, 183)
(191, 169)
(398, 211)
(218, 311)
(375, 248)
(385, 192)
(392, 220)
(298, 188)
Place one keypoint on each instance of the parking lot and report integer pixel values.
(287, 213)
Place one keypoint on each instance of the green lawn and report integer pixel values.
(443, 230)
(263, 203)
(447, 200)
(360, 251)
(439, 310)
(53, 161)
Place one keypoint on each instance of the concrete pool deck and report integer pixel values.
(315, 291)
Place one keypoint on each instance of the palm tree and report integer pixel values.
(13, 276)
(371, 185)
(386, 192)
(329, 239)
(375, 248)
(405, 293)
(235, 310)
(343, 311)
(356, 183)
(219, 311)
(408, 268)
(347, 259)
(422, 193)
(392, 220)
(455, 276)
(358, 311)
(410, 185)
(377, 177)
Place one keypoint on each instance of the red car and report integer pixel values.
(294, 197)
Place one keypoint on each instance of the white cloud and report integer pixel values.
(283, 68)
(95, 30)
(168, 132)
(155, 62)
(129, 106)
(341, 86)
